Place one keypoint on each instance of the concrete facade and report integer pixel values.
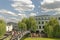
(10, 26)
(42, 19)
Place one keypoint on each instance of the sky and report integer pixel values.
(15, 10)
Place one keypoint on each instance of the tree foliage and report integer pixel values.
(52, 28)
(32, 23)
(22, 26)
(2, 27)
(29, 23)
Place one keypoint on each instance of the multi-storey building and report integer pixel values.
(10, 26)
(42, 19)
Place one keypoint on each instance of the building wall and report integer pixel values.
(42, 19)
(9, 28)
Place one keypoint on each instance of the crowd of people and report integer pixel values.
(15, 34)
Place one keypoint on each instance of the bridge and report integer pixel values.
(20, 36)
(23, 34)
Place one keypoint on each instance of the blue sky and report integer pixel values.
(14, 10)
(6, 4)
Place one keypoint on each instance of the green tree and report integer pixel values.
(52, 28)
(22, 26)
(29, 23)
(2, 27)
(32, 24)
(26, 21)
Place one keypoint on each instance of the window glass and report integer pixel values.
(42, 22)
(39, 27)
(39, 22)
(43, 26)
(59, 18)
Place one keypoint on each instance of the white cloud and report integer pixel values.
(14, 16)
(48, 1)
(22, 5)
(33, 14)
(22, 15)
(50, 5)
(7, 12)
(57, 13)
(12, 19)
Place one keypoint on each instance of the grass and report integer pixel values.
(1, 37)
(41, 38)
(27, 37)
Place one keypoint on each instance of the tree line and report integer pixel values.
(52, 28)
(27, 24)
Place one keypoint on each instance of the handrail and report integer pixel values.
(24, 33)
(18, 37)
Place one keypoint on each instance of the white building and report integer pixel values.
(10, 26)
(42, 19)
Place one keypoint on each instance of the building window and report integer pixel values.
(39, 27)
(43, 26)
(42, 22)
(42, 18)
(59, 18)
(39, 22)
(36, 18)
(39, 18)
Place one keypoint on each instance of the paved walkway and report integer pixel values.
(18, 37)
(24, 33)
